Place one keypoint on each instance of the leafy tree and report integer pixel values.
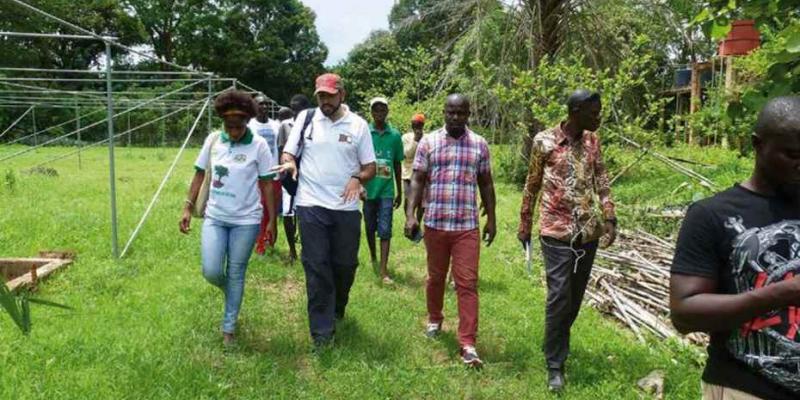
(270, 44)
(101, 16)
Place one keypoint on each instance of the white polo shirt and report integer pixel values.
(234, 196)
(269, 131)
(332, 152)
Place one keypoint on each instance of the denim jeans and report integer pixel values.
(222, 241)
(378, 217)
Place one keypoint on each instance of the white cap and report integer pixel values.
(378, 100)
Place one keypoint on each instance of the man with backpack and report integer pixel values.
(333, 149)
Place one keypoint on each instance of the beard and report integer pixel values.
(330, 110)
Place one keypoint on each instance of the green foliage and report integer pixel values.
(270, 44)
(18, 307)
(774, 69)
(380, 67)
(101, 16)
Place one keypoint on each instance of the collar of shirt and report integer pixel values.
(562, 138)
(243, 141)
(346, 118)
(387, 128)
(443, 132)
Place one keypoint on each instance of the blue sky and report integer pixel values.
(343, 24)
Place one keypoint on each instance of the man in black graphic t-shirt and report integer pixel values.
(736, 272)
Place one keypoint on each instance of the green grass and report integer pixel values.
(147, 327)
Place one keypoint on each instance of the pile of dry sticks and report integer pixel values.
(631, 283)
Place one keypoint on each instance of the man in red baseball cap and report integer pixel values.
(336, 157)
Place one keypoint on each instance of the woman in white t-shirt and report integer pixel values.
(240, 163)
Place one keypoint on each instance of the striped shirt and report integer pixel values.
(452, 167)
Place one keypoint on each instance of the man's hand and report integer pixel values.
(398, 201)
(287, 167)
(489, 232)
(610, 235)
(412, 227)
(186, 221)
(352, 191)
(524, 238)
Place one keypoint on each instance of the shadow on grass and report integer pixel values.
(587, 369)
(409, 279)
(357, 345)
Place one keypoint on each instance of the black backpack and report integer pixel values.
(288, 182)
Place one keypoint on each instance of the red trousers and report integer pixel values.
(265, 238)
(463, 248)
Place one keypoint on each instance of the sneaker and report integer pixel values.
(470, 357)
(433, 329)
(387, 281)
(555, 380)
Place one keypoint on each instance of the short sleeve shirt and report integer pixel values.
(283, 133)
(331, 153)
(745, 241)
(409, 151)
(452, 167)
(234, 196)
(267, 130)
(388, 151)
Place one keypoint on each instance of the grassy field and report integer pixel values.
(147, 327)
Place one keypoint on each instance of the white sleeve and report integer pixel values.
(264, 161)
(294, 136)
(202, 159)
(366, 153)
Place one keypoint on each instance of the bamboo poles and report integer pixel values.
(632, 285)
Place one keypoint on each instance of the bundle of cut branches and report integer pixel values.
(631, 283)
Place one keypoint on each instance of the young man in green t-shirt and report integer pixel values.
(381, 199)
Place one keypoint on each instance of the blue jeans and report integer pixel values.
(220, 240)
(378, 217)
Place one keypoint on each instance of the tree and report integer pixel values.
(105, 17)
(272, 45)
(161, 20)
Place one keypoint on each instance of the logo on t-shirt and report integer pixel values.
(770, 344)
(345, 138)
(240, 158)
(220, 171)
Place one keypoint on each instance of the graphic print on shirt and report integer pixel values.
(383, 164)
(220, 171)
(769, 344)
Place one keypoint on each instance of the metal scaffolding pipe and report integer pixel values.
(55, 36)
(164, 180)
(96, 123)
(13, 124)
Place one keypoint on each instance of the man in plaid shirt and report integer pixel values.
(454, 163)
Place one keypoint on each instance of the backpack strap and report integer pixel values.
(309, 117)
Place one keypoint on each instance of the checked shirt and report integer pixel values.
(452, 167)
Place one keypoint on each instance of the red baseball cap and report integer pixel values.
(419, 118)
(329, 83)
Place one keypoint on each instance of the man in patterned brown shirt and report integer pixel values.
(566, 167)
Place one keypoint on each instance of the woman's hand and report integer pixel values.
(186, 221)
